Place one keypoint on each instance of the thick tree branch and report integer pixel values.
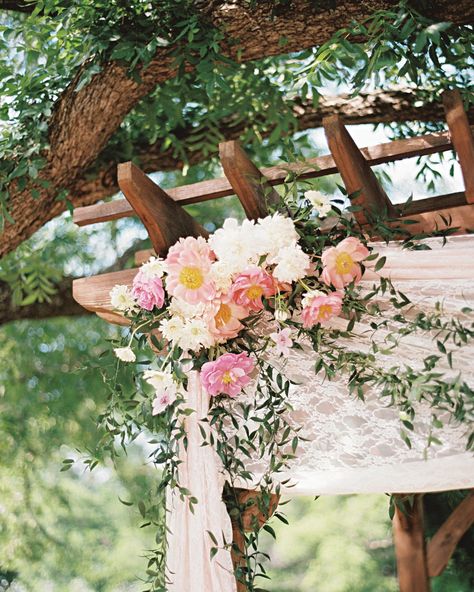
(83, 121)
(377, 107)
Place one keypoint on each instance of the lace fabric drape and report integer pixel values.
(354, 446)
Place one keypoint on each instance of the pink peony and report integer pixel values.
(188, 264)
(249, 287)
(320, 308)
(223, 318)
(341, 263)
(229, 374)
(147, 291)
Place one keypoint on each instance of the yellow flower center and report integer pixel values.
(344, 263)
(254, 292)
(325, 311)
(227, 378)
(191, 278)
(223, 316)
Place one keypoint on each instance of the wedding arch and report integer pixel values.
(349, 445)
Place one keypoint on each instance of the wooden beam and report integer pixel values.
(356, 172)
(410, 547)
(93, 293)
(461, 217)
(432, 204)
(164, 219)
(444, 542)
(312, 168)
(461, 137)
(249, 184)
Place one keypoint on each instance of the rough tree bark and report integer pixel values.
(83, 122)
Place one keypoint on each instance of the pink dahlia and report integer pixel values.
(249, 287)
(188, 264)
(223, 318)
(148, 291)
(228, 375)
(341, 263)
(320, 308)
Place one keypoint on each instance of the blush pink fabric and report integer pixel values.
(189, 567)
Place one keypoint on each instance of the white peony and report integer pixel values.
(274, 233)
(292, 264)
(196, 335)
(319, 202)
(172, 329)
(125, 354)
(236, 245)
(155, 267)
(121, 298)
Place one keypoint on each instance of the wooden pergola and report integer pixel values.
(166, 221)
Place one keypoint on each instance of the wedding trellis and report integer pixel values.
(166, 221)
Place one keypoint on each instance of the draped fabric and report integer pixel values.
(189, 567)
(351, 446)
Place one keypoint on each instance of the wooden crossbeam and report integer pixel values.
(249, 184)
(164, 219)
(461, 137)
(356, 172)
(93, 293)
(461, 217)
(442, 545)
(312, 168)
(409, 542)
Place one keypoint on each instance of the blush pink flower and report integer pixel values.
(162, 401)
(341, 263)
(188, 264)
(250, 286)
(223, 318)
(283, 341)
(320, 308)
(228, 375)
(148, 291)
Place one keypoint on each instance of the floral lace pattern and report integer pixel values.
(349, 438)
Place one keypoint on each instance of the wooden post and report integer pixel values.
(164, 219)
(444, 542)
(250, 186)
(410, 546)
(355, 171)
(246, 514)
(461, 137)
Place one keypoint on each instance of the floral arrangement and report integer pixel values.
(251, 293)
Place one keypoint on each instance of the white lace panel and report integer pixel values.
(354, 446)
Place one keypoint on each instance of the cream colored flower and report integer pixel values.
(172, 329)
(121, 298)
(221, 276)
(196, 335)
(155, 267)
(125, 354)
(319, 202)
